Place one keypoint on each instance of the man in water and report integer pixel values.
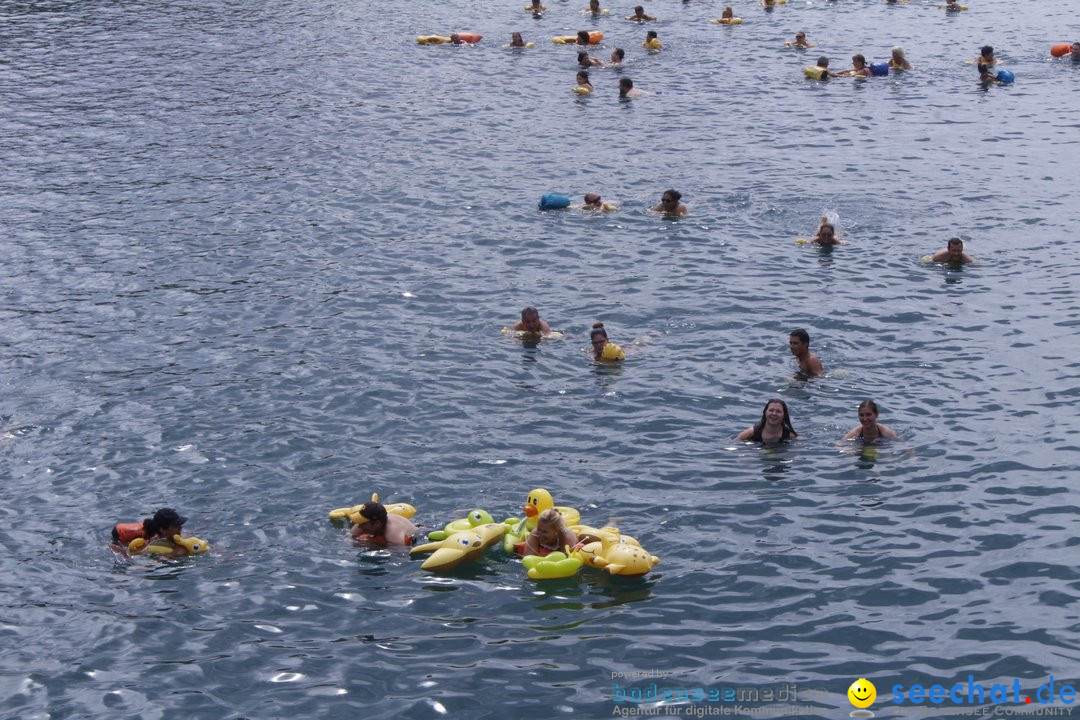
(627, 89)
(530, 322)
(953, 254)
(799, 344)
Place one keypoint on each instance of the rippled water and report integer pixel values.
(258, 260)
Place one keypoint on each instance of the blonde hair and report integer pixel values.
(551, 518)
(898, 52)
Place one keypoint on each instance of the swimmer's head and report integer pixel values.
(530, 319)
(858, 61)
(898, 53)
(167, 519)
(800, 37)
(583, 59)
(823, 62)
(776, 410)
(639, 9)
(1075, 48)
(583, 37)
(625, 86)
(583, 77)
(516, 39)
(868, 412)
(598, 337)
(592, 199)
(455, 38)
(955, 248)
(827, 231)
(373, 515)
(536, 4)
(987, 52)
(798, 341)
(618, 54)
(594, 5)
(651, 35)
(670, 200)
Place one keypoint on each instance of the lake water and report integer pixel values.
(259, 256)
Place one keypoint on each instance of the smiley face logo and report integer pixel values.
(862, 693)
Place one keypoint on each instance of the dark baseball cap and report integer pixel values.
(167, 517)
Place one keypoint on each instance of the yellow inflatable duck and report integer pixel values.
(551, 566)
(352, 514)
(540, 500)
(193, 545)
(461, 547)
(614, 554)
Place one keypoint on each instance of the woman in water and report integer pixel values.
(602, 348)
(157, 530)
(826, 234)
(583, 80)
(670, 205)
(898, 61)
(551, 534)
(516, 41)
(587, 61)
(774, 428)
(869, 429)
(640, 16)
(859, 68)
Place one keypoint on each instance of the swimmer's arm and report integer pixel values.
(940, 256)
(813, 365)
(853, 433)
(967, 258)
(544, 327)
(886, 431)
(745, 434)
(530, 547)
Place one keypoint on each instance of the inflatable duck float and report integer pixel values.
(352, 514)
(193, 545)
(539, 500)
(460, 547)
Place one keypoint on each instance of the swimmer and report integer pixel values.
(530, 322)
(551, 534)
(587, 61)
(823, 63)
(775, 426)
(868, 428)
(652, 42)
(595, 9)
(640, 16)
(799, 345)
(1074, 51)
(593, 201)
(858, 69)
(986, 57)
(159, 530)
(602, 348)
(583, 38)
(953, 254)
(670, 205)
(826, 234)
(953, 6)
(382, 528)
(535, 7)
(627, 89)
(617, 57)
(516, 41)
(898, 61)
(800, 41)
(583, 80)
(985, 76)
(455, 39)
(728, 13)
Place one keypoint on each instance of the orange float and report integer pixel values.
(1060, 49)
(126, 532)
(470, 37)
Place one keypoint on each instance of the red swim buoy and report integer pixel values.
(470, 37)
(1059, 49)
(126, 532)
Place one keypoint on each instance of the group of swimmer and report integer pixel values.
(860, 67)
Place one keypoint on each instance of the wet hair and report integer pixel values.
(869, 404)
(597, 329)
(801, 334)
(594, 3)
(826, 225)
(620, 52)
(956, 240)
(551, 517)
(858, 58)
(583, 59)
(823, 62)
(583, 37)
(786, 422)
(625, 84)
(651, 35)
(374, 512)
(583, 75)
(592, 198)
(529, 310)
(673, 194)
(898, 52)
(639, 9)
(987, 51)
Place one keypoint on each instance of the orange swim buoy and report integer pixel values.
(1060, 49)
(126, 532)
(470, 37)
